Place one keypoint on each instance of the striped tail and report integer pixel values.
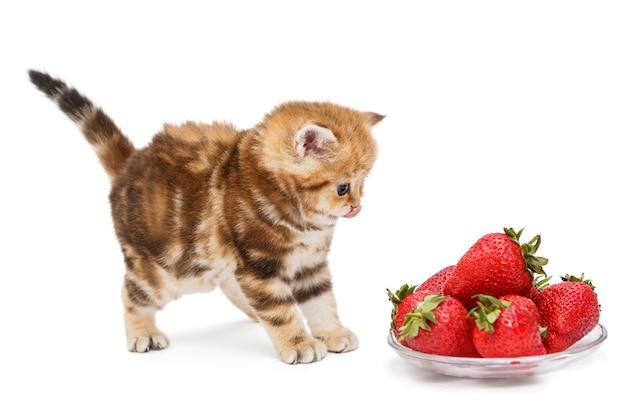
(110, 144)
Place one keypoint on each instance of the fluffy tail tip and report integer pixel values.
(44, 82)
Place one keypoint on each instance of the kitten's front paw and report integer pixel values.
(146, 342)
(339, 340)
(304, 351)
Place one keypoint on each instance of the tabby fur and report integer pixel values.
(249, 211)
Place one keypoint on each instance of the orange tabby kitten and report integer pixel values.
(249, 211)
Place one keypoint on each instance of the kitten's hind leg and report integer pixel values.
(142, 334)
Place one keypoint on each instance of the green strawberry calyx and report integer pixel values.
(420, 316)
(541, 282)
(534, 263)
(487, 311)
(397, 297)
(572, 278)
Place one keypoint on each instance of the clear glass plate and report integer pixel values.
(500, 367)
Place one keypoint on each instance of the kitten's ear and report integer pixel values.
(313, 139)
(373, 118)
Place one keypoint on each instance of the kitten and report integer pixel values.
(249, 211)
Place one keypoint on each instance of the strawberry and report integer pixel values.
(437, 281)
(569, 311)
(496, 264)
(429, 286)
(505, 329)
(437, 325)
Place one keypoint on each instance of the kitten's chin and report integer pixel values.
(327, 221)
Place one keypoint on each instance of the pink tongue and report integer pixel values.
(353, 212)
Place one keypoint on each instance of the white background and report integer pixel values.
(499, 114)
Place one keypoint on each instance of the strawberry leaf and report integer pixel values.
(487, 311)
(541, 282)
(572, 278)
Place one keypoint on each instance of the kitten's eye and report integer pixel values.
(342, 189)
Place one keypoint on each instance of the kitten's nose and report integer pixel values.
(353, 212)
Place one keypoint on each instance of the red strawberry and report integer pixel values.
(496, 264)
(436, 282)
(432, 285)
(437, 325)
(505, 329)
(569, 311)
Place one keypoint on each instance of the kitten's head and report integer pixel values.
(322, 153)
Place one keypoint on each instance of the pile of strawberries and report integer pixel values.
(495, 302)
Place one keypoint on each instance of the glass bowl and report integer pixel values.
(501, 367)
